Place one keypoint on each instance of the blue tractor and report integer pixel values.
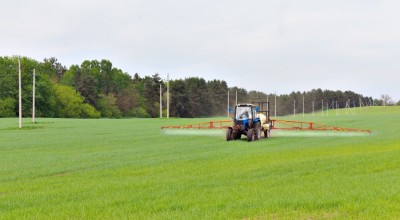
(246, 121)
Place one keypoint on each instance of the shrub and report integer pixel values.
(139, 113)
(7, 106)
(108, 106)
(89, 111)
(70, 104)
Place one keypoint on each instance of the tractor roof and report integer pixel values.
(245, 105)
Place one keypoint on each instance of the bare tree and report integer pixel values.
(386, 100)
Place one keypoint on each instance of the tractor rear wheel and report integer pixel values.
(229, 134)
(250, 135)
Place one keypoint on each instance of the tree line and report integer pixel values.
(96, 89)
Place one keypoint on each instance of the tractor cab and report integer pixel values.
(244, 115)
(244, 112)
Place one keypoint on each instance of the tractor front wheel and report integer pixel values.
(267, 134)
(236, 135)
(229, 134)
(250, 135)
(258, 134)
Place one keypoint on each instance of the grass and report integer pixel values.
(129, 168)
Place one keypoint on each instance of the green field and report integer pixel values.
(130, 169)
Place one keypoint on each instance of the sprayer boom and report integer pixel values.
(276, 125)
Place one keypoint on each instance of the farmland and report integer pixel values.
(129, 168)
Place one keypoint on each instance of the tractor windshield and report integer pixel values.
(243, 112)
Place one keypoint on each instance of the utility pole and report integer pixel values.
(236, 97)
(313, 108)
(275, 104)
(19, 94)
(33, 96)
(327, 109)
(160, 100)
(228, 103)
(294, 108)
(337, 109)
(303, 106)
(322, 107)
(167, 95)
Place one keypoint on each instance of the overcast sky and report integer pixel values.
(269, 46)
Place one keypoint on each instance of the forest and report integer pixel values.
(97, 89)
